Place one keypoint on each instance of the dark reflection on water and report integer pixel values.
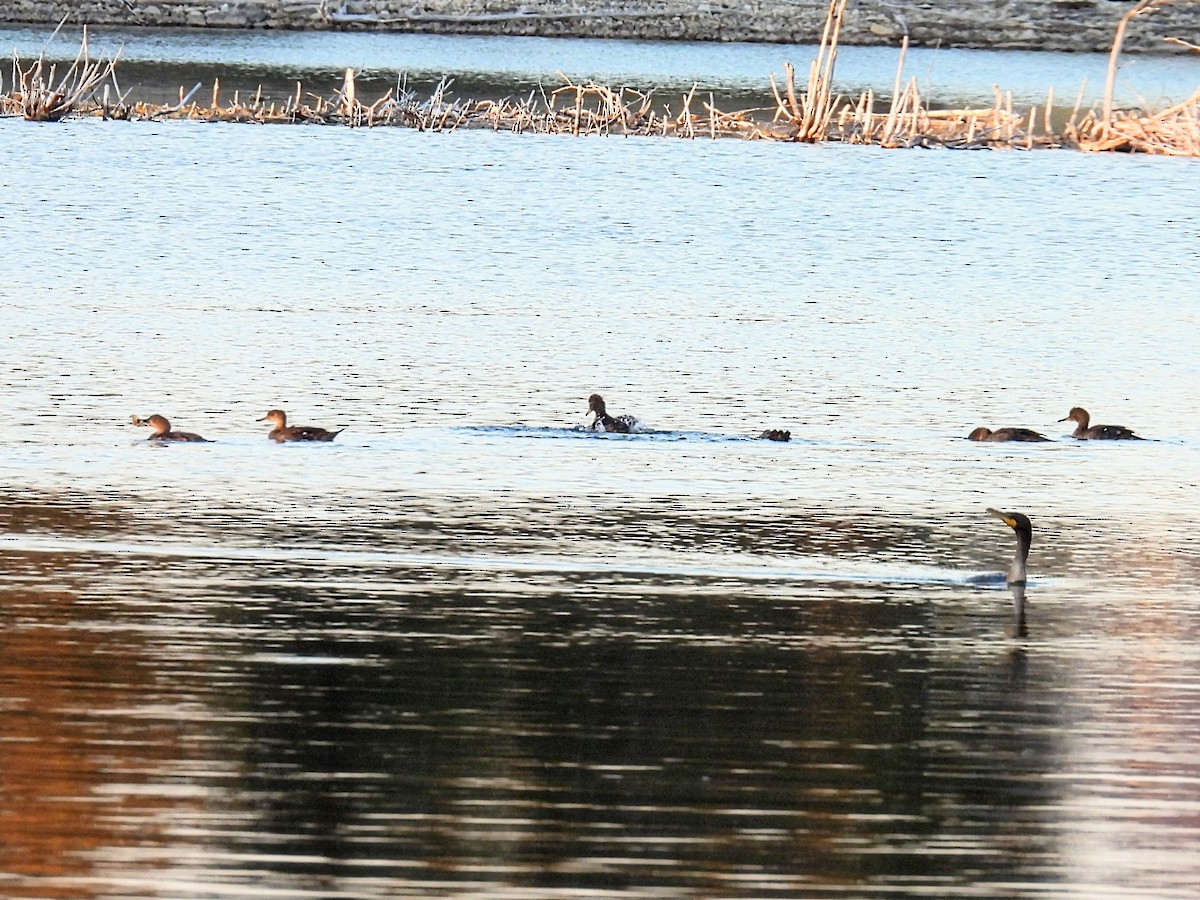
(636, 737)
(407, 731)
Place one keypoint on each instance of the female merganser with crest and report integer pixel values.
(282, 432)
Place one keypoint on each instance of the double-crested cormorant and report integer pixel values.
(162, 430)
(618, 424)
(283, 432)
(775, 434)
(1082, 432)
(1006, 434)
(1019, 523)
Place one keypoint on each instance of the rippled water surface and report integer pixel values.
(470, 648)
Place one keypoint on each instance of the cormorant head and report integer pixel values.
(1018, 522)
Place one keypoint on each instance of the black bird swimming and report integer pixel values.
(1018, 522)
(1082, 432)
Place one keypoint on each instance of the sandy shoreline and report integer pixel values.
(1064, 25)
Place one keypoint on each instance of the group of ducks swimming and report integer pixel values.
(160, 430)
(281, 432)
(1083, 431)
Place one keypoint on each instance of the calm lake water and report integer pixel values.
(470, 649)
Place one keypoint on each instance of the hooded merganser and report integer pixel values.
(1082, 432)
(618, 424)
(1006, 434)
(283, 432)
(162, 430)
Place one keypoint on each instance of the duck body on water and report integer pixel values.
(161, 429)
(605, 422)
(283, 433)
(1084, 432)
(1007, 434)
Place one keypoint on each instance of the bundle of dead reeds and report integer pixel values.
(40, 95)
(808, 114)
(907, 121)
(1173, 132)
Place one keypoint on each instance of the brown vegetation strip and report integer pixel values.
(810, 114)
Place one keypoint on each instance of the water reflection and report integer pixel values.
(407, 730)
(1020, 628)
(62, 752)
(487, 734)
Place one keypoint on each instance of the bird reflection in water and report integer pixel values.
(1018, 594)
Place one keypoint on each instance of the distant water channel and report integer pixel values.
(470, 649)
(157, 62)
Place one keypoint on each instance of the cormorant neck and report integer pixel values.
(1016, 572)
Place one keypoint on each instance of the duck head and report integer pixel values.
(1079, 415)
(596, 405)
(156, 423)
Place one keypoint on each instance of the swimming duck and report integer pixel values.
(1020, 524)
(775, 434)
(283, 432)
(1006, 434)
(1082, 432)
(618, 424)
(161, 429)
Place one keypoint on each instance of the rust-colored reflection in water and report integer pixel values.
(79, 747)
